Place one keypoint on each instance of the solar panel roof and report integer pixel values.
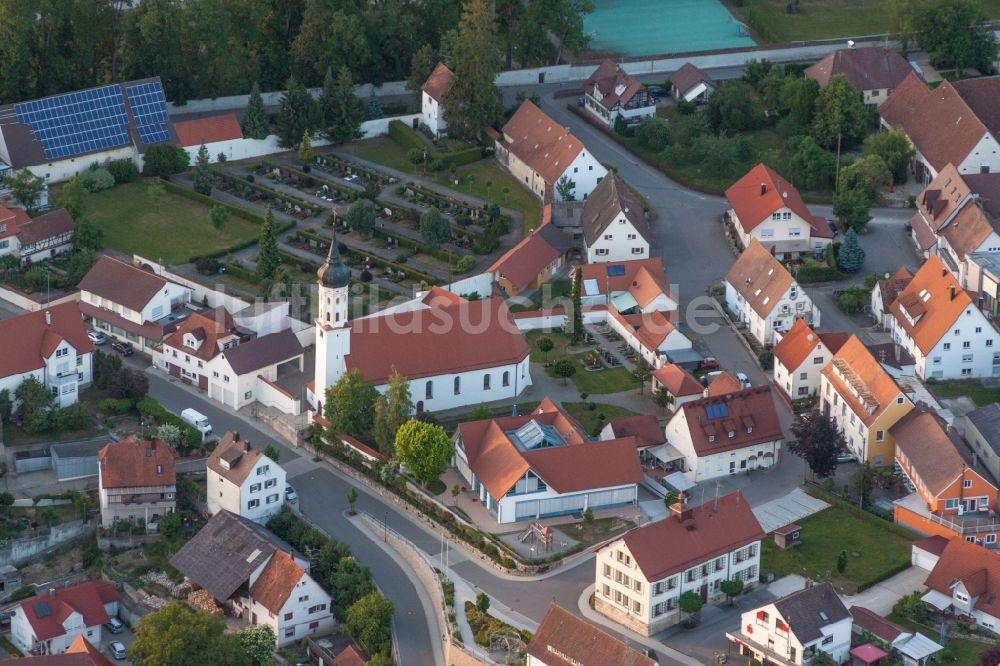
(717, 411)
(149, 108)
(616, 270)
(42, 609)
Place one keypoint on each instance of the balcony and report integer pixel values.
(970, 523)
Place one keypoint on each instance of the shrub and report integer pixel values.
(115, 405)
(465, 264)
(415, 155)
(544, 344)
(404, 136)
(163, 159)
(435, 164)
(462, 157)
(123, 171)
(97, 180)
(207, 265)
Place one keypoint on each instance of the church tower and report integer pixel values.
(333, 335)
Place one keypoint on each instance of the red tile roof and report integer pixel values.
(861, 381)
(670, 545)
(79, 653)
(749, 415)
(275, 583)
(977, 568)
(233, 458)
(876, 625)
(759, 278)
(891, 287)
(349, 656)
(608, 78)
(645, 428)
(49, 225)
(934, 300)
(611, 198)
(540, 142)
(439, 82)
(11, 220)
(938, 122)
(578, 464)
(47, 612)
(207, 327)
(866, 68)
(687, 77)
(122, 283)
(678, 381)
(649, 328)
(798, 344)
(28, 341)
(934, 544)
(752, 206)
(134, 462)
(645, 279)
(722, 384)
(224, 127)
(439, 340)
(563, 639)
(523, 263)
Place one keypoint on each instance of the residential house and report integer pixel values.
(32, 240)
(136, 481)
(540, 153)
(864, 401)
(448, 366)
(49, 623)
(953, 123)
(799, 357)
(884, 294)
(894, 359)
(679, 384)
(925, 553)
(536, 259)
(257, 576)
(721, 382)
(641, 576)
(563, 638)
(691, 84)
(763, 294)
(936, 321)
(197, 340)
(645, 428)
(543, 464)
(875, 71)
(965, 582)
(726, 434)
(958, 216)
(610, 93)
(948, 495)
(59, 136)
(80, 652)
(614, 223)
(981, 427)
(983, 278)
(793, 629)
(242, 480)
(131, 303)
(51, 346)
(248, 372)
(765, 207)
(432, 95)
(914, 648)
(629, 287)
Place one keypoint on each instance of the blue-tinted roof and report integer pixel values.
(717, 410)
(92, 120)
(42, 609)
(616, 271)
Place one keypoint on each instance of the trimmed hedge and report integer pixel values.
(405, 137)
(462, 157)
(305, 205)
(810, 274)
(383, 263)
(241, 273)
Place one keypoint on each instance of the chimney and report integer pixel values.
(680, 511)
(953, 292)
(763, 189)
(809, 583)
(52, 591)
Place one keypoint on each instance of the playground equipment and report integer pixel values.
(537, 533)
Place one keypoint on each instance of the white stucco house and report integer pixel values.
(49, 622)
(242, 480)
(799, 358)
(432, 95)
(540, 153)
(611, 93)
(762, 293)
(792, 629)
(50, 345)
(614, 223)
(937, 323)
(965, 581)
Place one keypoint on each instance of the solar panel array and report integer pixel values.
(616, 270)
(717, 411)
(93, 120)
(149, 108)
(42, 609)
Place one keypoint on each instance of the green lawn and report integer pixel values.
(172, 230)
(382, 150)
(546, 295)
(608, 380)
(873, 547)
(820, 19)
(964, 651)
(591, 419)
(972, 388)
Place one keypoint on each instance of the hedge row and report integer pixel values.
(378, 261)
(357, 168)
(241, 273)
(810, 274)
(403, 241)
(305, 205)
(405, 137)
(191, 438)
(332, 184)
(461, 157)
(230, 249)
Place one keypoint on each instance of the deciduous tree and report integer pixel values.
(361, 217)
(955, 33)
(818, 441)
(369, 621)
(812, 166)
(305, 154)
(26, 188)
(71, 197)
(731, 588)
(852, 208)
(177, 635)
(350, 405)
(392, 410)
(258, 642)
(840, 114)
(424, 449)
(272, 452)
(435, 229)
(894, 149)
(868, 175)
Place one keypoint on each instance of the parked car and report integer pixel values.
(657, 91)
(117, 650)
(845, 457)
(123, 348)
(708, 363)
(97, 337)
(197, 420)
(707, 378)
(742, 378)
(291, 496)
(114, 625)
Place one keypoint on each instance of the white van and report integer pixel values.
(198, 421)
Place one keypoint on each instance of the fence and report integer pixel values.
(33, 303)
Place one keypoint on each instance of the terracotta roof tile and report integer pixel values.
(533, 254)
(645, 428)
(27, 340)
(975, 567)
(645, 279)
(934, 300)
(223, 127)
(687, 77)
(608, 78)
(11, 220)
(611, 198)
(981, 94)
(48, 225)
(892, 286)
(122, 283)
(670, 546)
(208, 327)
(563, 639)
(87, 599)
(438, 83)
(650, 328)
(866, 68)
(275, 583)
(759, 278)
(861, 381)
(233, 458)
(876, 625)
(135, 462)
(799, 342)
(678, 381)
(349, 656)
(722, 384)
(934, 544)
(753, 207)
(540, 142)
(938, 122)
(749, 414)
